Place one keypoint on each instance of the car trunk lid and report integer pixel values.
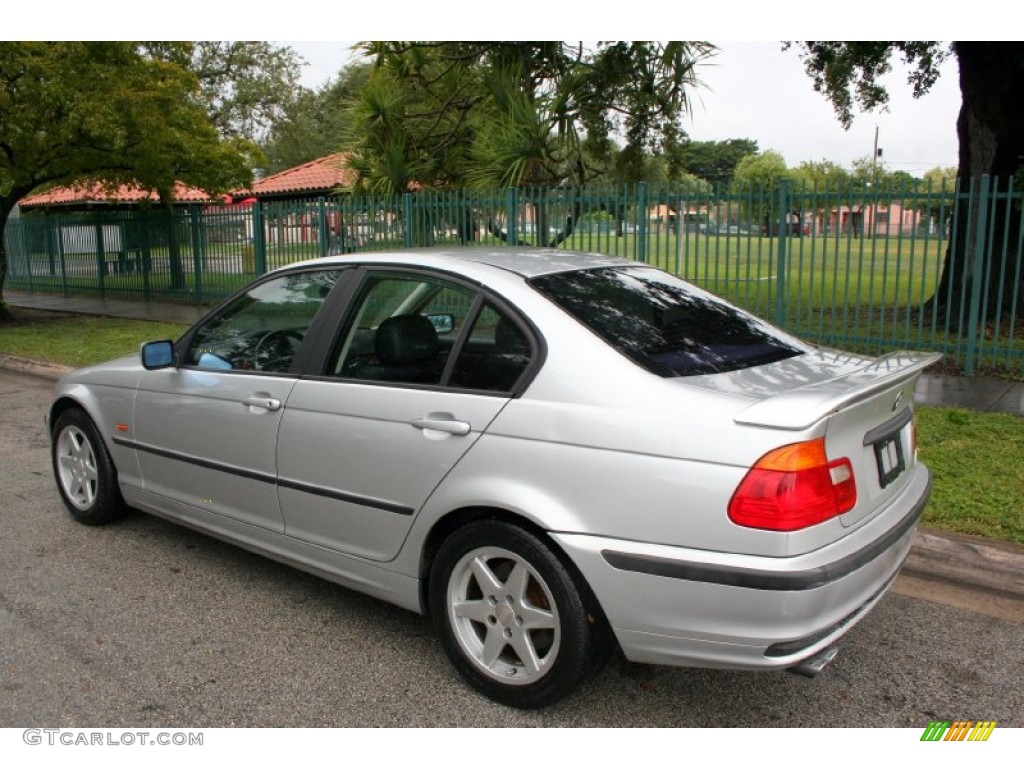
(869, 413)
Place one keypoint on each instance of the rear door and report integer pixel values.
(417, 372)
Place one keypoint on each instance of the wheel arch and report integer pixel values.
(444, 526)
(82, 401)
(62, 404)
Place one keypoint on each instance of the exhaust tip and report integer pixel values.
(810, 667)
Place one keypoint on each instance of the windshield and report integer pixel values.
(664, 324)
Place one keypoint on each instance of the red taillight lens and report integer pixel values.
(793, 487)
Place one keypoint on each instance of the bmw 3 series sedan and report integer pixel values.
(551, 454)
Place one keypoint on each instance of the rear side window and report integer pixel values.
(664, 324)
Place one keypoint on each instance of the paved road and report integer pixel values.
(145, 624)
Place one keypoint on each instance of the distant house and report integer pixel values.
(317, 178)
(93, 196)
(321, 177)
(301, 185)
(113, 236)
(878, 220)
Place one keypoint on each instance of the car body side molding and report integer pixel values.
(750, 578)
(315, 490)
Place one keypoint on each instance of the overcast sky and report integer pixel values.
(753, 89)
(758, 91)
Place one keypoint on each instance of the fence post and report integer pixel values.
(101, 259)
(980, 225)
(512, 215)
(49, 253)
(24, 240)
(197, 254)
(145, 220)
(324, 229)
(63, 263)
(259, 238)
(640, 218)
(407, 217)
(780, 263)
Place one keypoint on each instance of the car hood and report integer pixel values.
(122, 371)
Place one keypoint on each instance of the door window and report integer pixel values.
(402, 329)
(495, 354)
(263, 328)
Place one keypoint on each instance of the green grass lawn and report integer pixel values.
(977, 463)
(79, 340)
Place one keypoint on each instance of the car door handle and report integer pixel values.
(450, 426)
(257, 401)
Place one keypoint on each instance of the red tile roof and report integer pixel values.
(325, 174)
(94, 192)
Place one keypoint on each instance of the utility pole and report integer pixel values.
(875, 152)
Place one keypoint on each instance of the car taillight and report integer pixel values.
(794, 487)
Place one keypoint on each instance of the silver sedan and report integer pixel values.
(552, 454)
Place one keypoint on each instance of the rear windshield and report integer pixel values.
(664, 324)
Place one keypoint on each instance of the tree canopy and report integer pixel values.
(117, 112)
(245, 85)
(491, 114)
(315, 122)
(762, 171)
(821, 175)
(716, 161)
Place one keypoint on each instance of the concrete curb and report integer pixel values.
(52, 371)
(996, 567)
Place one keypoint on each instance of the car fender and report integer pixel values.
(109, 406)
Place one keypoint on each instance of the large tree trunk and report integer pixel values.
(991, 135)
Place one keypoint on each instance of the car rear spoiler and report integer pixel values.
(802, 407)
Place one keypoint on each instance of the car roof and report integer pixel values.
(528, 262)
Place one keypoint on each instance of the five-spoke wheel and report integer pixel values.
(503, 615)
(516, 621)
(85, 474)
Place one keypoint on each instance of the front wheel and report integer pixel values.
(517, 624)
(84, 471)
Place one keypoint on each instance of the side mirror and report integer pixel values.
(157, 354)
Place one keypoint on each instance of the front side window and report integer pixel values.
(664, 324)
(263, 328)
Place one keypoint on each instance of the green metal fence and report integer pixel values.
(856, 268)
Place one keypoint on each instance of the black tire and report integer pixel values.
(511, 585)
(84, 472)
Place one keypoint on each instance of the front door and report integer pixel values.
(205, 432)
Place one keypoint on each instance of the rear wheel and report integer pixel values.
(517, 624)
(84, 471)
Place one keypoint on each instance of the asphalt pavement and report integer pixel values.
(144, 624)
(979, 574)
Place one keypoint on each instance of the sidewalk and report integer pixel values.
(968, 571)
(83, 305)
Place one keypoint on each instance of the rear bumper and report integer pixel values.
(677, 606)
